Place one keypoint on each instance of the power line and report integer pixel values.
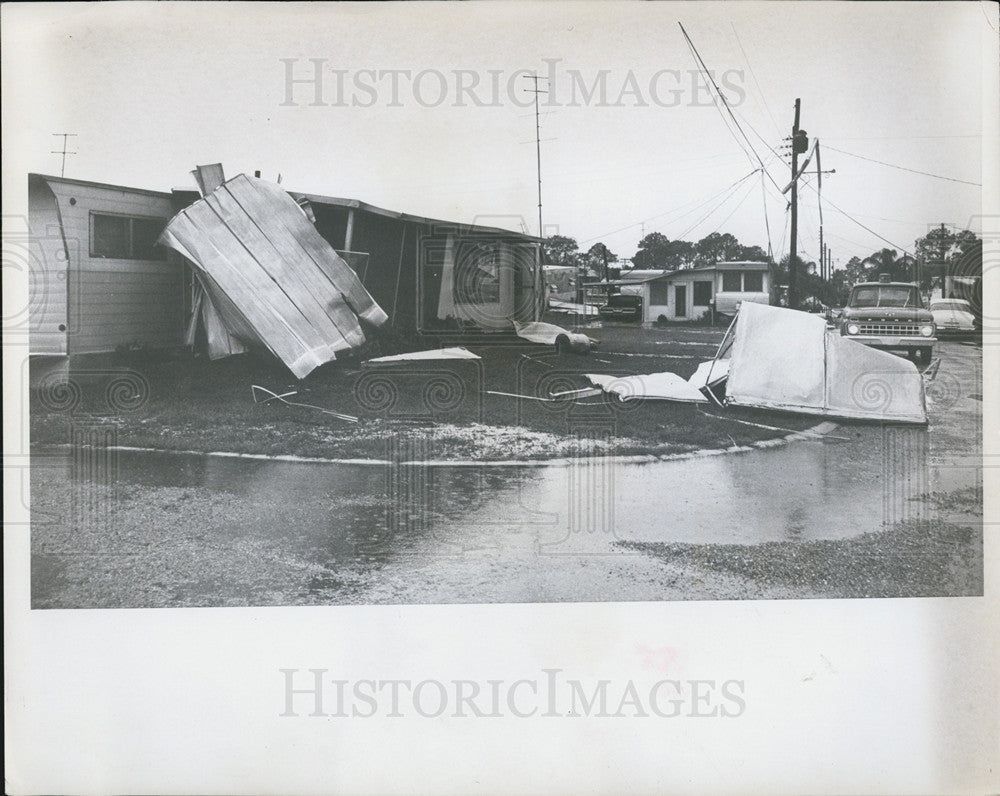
(904, 168)
(733, 211)
(754, 76)
(867, 229)
(674, 210)
(708, 215)
(725, 104)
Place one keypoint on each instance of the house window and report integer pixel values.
(731, 282)
(125, 237)
(659, 293)
(702, 295)
(753, 282)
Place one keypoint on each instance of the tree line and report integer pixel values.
(941, 251)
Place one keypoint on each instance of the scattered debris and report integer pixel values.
(658, 386)
(271, 396)
(420, 356)
(818, 433)
(268, 277)
(550, 334)
(787, 360)
(525, 397)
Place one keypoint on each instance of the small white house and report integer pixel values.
(687, 294)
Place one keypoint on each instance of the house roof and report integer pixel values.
(732, 265)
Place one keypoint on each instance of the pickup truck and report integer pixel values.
(889, 315)
(622, 307)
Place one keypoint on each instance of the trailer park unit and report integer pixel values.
(687, 294)
(434, 276)
(99, 284)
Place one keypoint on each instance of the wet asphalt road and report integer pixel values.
(126, 529)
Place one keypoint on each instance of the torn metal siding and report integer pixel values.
(786, 359)
(271, 276)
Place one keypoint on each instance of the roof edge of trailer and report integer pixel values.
(312, 197)
(356, 204)
(95, 184)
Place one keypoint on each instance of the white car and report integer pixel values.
(953, 317)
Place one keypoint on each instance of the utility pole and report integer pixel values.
(793, 298)
(945, 276)
(538, 166)
(63, 152)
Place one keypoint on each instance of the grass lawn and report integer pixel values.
(439, 410)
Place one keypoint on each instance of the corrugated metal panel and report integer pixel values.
(270, 274)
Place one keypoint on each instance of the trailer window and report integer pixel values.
(125, 237)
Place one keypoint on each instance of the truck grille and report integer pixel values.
(890, 328)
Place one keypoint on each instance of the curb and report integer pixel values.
(813, 433)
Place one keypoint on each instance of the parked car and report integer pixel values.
(813, 304)
(953, 317)
(889, 315)
(622, 307)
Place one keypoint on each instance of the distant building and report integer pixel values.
(687, 294)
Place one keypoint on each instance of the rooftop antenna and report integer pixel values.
(534, 78)
(63, 151)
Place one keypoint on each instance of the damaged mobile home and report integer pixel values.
(99, 284)
(785, 360)
(266, 278)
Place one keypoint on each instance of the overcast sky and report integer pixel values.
(436, 127)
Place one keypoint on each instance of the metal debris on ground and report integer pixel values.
(423, 356)
(785, 360)
(657, 386)
(788, 360)
(272, 396)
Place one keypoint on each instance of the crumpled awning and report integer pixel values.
(789, 360)
(270, 277)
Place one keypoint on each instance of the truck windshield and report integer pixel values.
(885, 296)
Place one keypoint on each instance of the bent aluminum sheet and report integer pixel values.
(272, 278)
(431, 354)
(789, 360)
(548, 333)
(658, 386)
(710, 372)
